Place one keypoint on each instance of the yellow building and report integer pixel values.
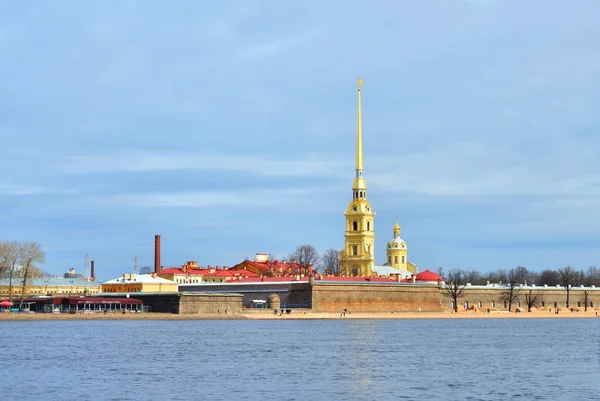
(358, 255)
(131, 283)
(49, 286)
(397, 252)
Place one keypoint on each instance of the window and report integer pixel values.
(354, 250)
(395, 259)
(402, 258)
(578, 304)
(479, 304)
(389, 260)
(368, 226)
(354, 226)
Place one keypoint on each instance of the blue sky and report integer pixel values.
(229, 128)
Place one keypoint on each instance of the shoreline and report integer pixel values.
(298, 315)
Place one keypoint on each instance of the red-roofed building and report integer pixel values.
(266, 268)
(190, 273)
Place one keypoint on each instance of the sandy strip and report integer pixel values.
(269, 315)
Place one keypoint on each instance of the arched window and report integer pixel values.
(354, 226)
(395, 259)
(389, 260)
(360, 194)
(354, 250)
(368, 226)
(402, 258)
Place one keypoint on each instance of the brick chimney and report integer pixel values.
(93, 274)
(157, 254)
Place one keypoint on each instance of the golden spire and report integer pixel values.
(360, 186)
(359, 155)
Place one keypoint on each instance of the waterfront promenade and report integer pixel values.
(300, 314)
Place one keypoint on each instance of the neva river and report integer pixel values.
(446, 359)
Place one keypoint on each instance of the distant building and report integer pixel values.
(262, 266)
(49, 286)
(191, 273)
(131, 283)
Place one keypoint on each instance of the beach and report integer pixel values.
(300, 314)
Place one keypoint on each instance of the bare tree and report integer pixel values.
(4, 255)
(30, 253)
(592, 276)
(272, 257)
(455, 286)
(511, 291)
(586, 294)
(11, 258)
(569, 277)
(306, 256)
(440, 271)
(531, 299)
(146, 270)
(474, 277)
(548, 277)
(330, 262)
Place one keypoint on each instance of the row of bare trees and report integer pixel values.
(511, 282)
(19, 261)
(589, 277)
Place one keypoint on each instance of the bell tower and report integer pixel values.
(358, 256)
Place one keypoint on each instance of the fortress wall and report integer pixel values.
(192, 303)
(334, 297)
(210, 303)
(490, 297)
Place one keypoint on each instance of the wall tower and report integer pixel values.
(358, 256)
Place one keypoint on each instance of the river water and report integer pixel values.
(445, 359)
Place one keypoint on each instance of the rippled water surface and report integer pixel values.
(467, 359)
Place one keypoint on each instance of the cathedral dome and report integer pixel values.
(397, 243)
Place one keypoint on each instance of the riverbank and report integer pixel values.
(297, 315)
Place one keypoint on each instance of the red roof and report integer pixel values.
(427, 276)
(276, 266)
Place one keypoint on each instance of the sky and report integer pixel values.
(229, 129)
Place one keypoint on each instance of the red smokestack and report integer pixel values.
(157, 254)
(93, 275)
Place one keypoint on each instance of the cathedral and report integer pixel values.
(358, 256)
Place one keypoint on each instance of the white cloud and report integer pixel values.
(136, 161)
(201, 199)
(276, 46)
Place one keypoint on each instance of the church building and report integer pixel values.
(358, 256)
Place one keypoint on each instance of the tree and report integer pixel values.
(272, 257)
(586, 294)
(30, 252)
(330, 262)
(531, 299)
(592, 276)
(455, 286)
(549, 277)
(305, 256)
(473, 277)
(569, 277)
(146, 270)
(10, 258)
(511, 291)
